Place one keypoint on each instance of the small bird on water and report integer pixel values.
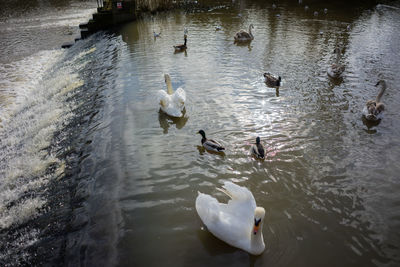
(210, 144)
(257, 149)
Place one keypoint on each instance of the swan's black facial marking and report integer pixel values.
(257, 222)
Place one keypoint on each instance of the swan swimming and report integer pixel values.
(238, 223)
(373, 109)
(172, 103)
(243, 36)
(336, 69)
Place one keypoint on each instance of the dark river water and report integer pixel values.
(92, 174)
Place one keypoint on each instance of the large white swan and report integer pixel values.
(172, 103)
(243, 36)
(238, 223)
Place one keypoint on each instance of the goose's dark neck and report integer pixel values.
(185, 42)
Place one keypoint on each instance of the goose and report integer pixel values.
(238, 223)
(315, 13)
(181, 47)
(156, 34)
(271, 80)
(217, 28)
(325, 10)
(243, 36)
(172, 103)
(257, 149)
(336, 69)
(210, 144)
(373, 108)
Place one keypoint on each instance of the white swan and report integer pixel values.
(238, 223)
(172, 103)
(243, 36)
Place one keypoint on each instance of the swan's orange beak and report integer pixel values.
(255, 229)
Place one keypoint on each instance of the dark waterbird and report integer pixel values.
(210, 144)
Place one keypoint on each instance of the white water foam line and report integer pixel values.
(35, 110)
(72, 18)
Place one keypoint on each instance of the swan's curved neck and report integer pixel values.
(170, 90)
(251, 34)
(257, 240)
(337, 57)
(380, 94)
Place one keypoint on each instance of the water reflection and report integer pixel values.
(202, 151)
(167, 121)
(317, 178)
(370, 124)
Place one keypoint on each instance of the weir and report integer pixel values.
(114, 12)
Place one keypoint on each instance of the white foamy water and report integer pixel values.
(36, 110)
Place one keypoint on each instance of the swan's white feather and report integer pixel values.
(231, 222)
(173, 104)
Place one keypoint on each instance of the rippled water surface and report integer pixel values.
(329, 184)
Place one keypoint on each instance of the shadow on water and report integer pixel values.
(181, 52)
(370, 124)
(244, 44)
(219, 250)
(202, 151)
(167, 121)
(213, 245)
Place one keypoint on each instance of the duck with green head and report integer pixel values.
(210, 144)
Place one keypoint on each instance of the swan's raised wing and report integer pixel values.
(180, 94)
(163, 99)
(242, 202)
(208, 208)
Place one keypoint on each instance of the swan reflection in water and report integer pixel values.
(166, 121)
(370, 124)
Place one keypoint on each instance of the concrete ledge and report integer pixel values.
(67, 44)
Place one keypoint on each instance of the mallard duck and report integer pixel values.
(243, 36)
(257, 149)
(373, 108)
(210, 144)
(181, 47)
(271, 80)
(336, 69)
(238, 223)
(172, 103)
(156, 34)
